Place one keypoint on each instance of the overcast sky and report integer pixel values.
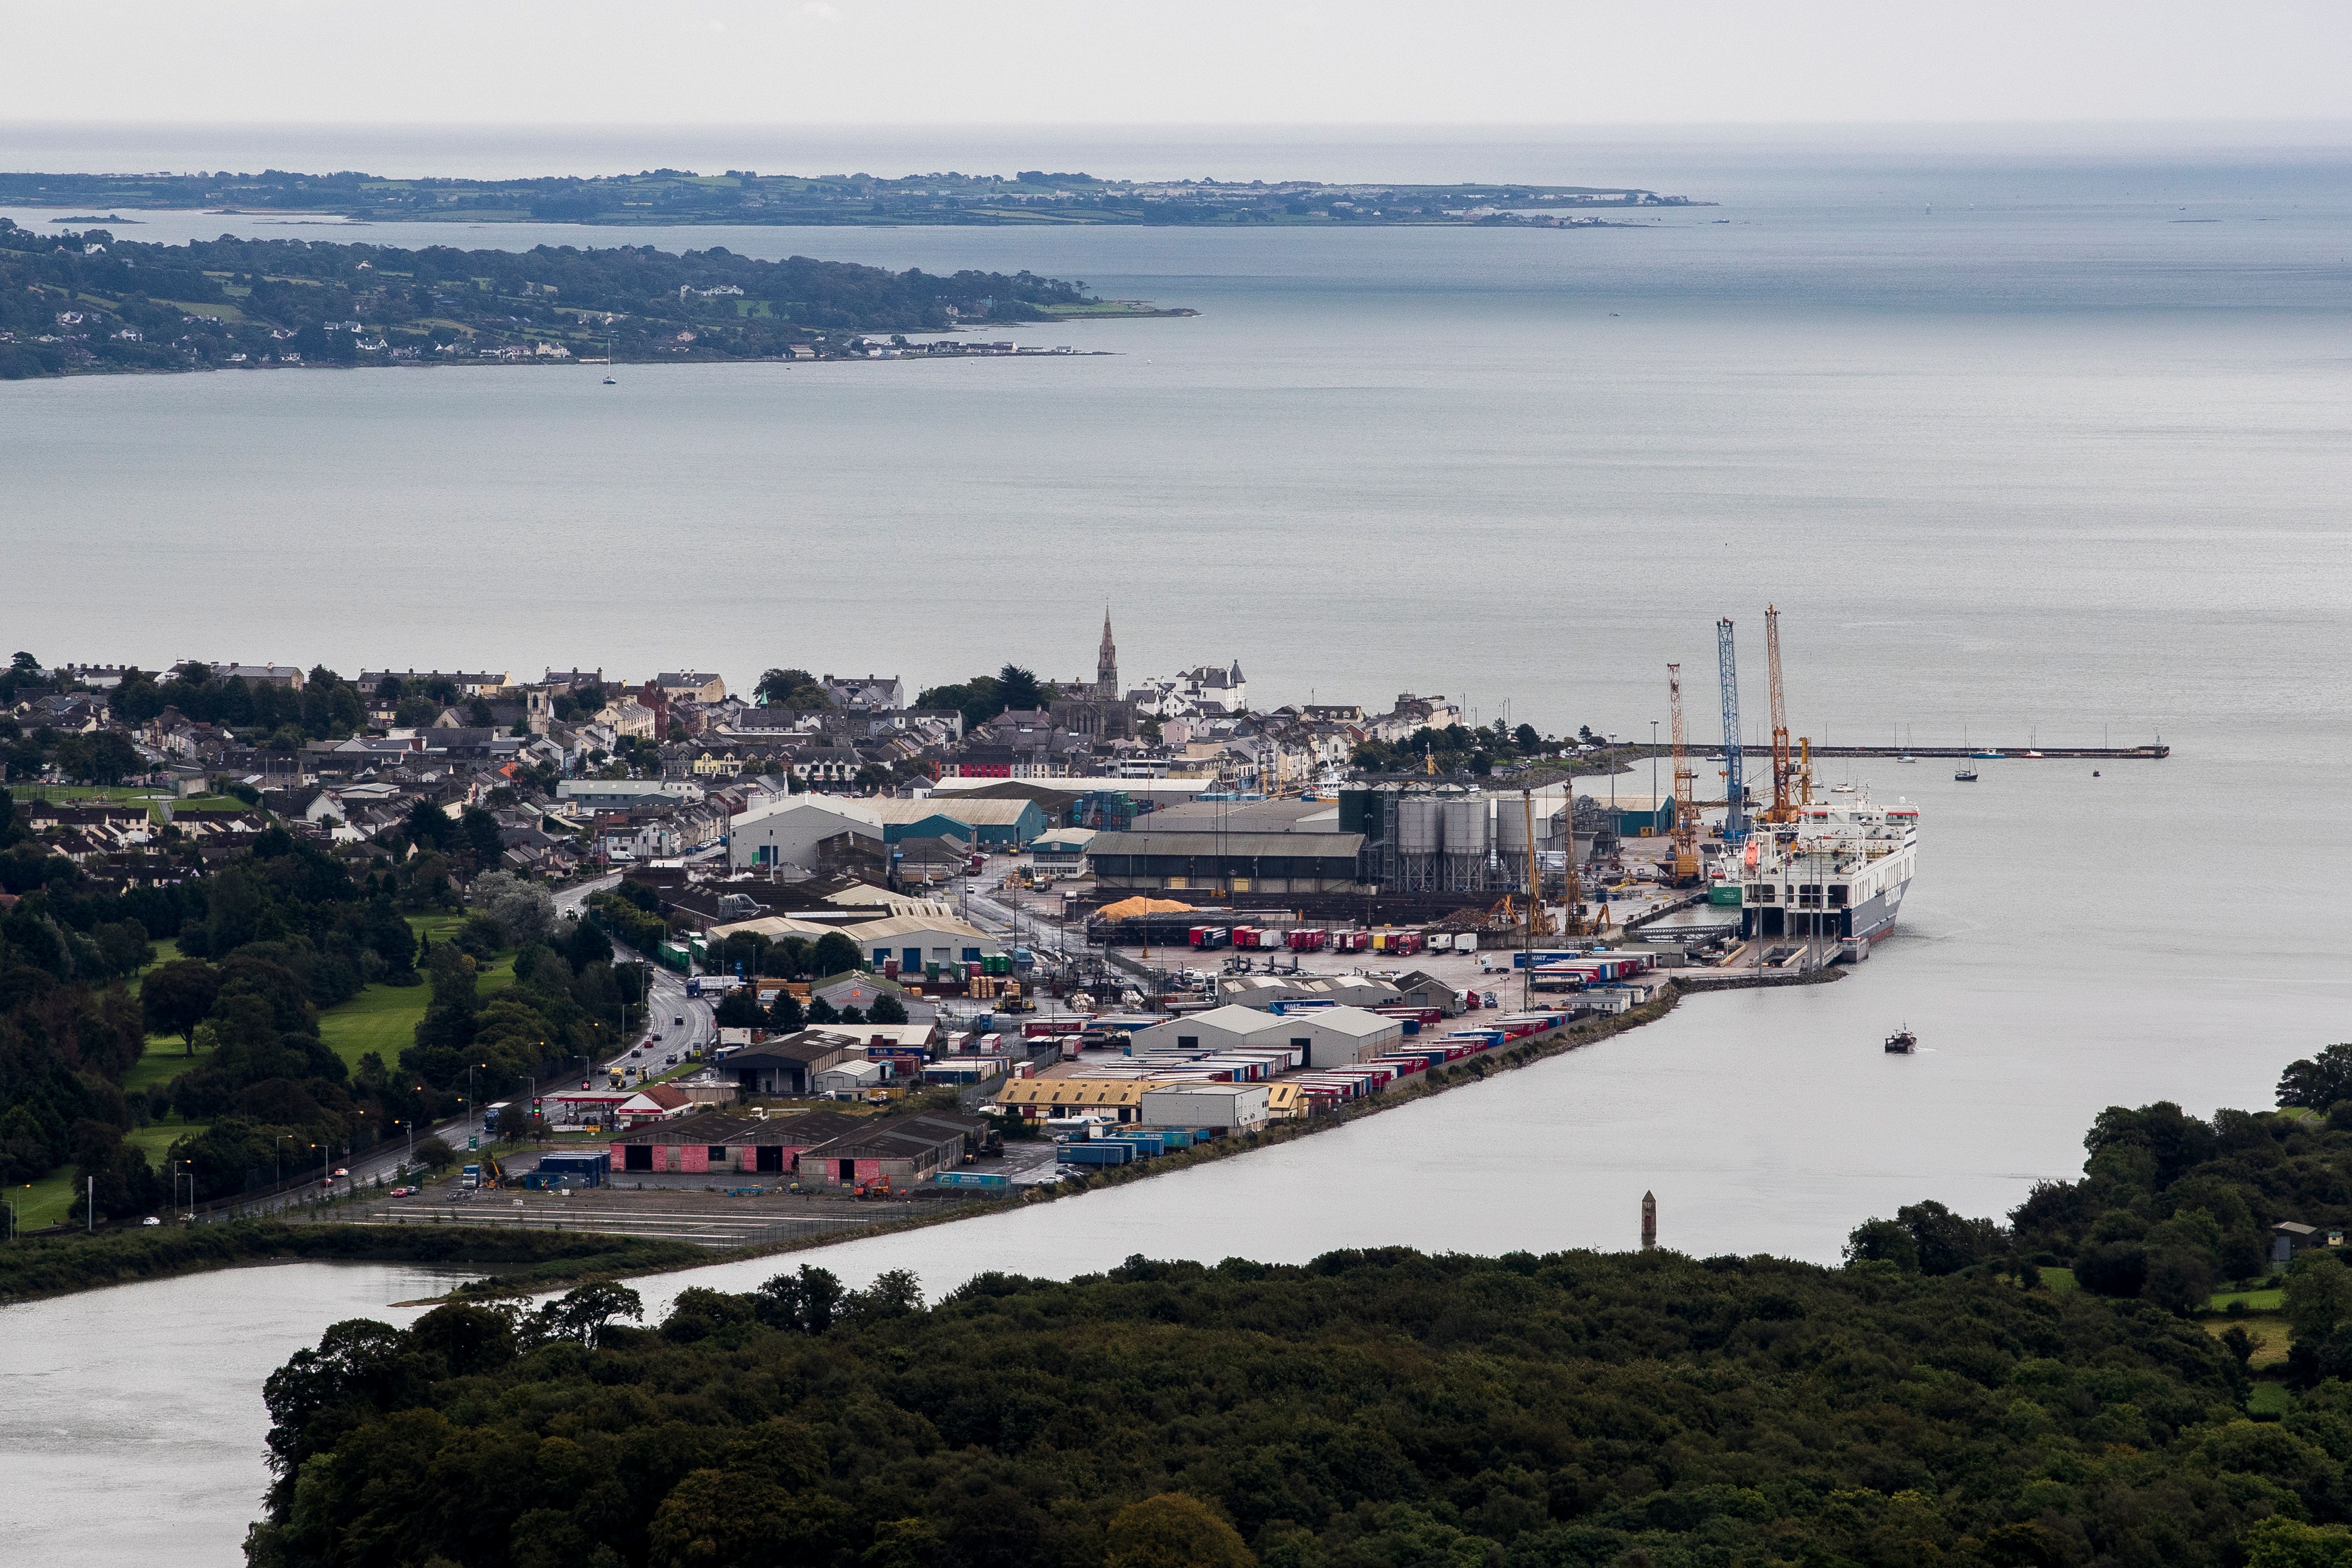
(838, 62)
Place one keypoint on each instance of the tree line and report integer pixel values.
(1367, 1410)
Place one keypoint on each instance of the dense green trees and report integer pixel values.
(790, 688)
(983, 696)
(2318, 1082)
(1369, 1410)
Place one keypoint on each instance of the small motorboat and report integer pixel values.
(1901, 1043)
(1964, 775)
(1989, 756)
(1906, 757)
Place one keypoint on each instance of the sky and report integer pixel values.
(1204, 62)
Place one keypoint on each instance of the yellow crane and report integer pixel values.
(1784, 806)
(1685, 828)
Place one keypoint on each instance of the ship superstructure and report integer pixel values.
(1838, 872)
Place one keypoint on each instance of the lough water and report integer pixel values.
(2024, 441)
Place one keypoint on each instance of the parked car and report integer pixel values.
(403, 1192)
(151, 1219)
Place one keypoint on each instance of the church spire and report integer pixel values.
(1106, 661)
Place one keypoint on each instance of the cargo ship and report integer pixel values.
(1838, 872)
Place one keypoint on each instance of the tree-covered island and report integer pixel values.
(87, 300)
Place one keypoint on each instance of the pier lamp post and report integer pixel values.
(1653, 774)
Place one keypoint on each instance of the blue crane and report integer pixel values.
(1735, 790)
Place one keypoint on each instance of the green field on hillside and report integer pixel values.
(381, 1018)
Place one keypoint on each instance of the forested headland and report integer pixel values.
(89, 301)
(1944, 1398)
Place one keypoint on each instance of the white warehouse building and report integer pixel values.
(1325, 1037)
(787, 834)
(1224, 1107)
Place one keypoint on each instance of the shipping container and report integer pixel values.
(1149, 1145)
(985, 1180)
(1097, 1151)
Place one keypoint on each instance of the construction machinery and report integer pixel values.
(1735, 788)
(1784, 803)
(1684, 870)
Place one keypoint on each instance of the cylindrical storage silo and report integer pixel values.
(1466, 827)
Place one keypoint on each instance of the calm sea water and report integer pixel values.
(2059, 459)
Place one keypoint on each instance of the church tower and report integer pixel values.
(1107, 664)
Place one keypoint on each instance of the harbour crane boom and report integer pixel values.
(1685, 828)
(1735, 789)
(1784, 806)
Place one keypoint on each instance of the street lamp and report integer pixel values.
(1653, 773)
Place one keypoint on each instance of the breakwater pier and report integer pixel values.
(2022, 753)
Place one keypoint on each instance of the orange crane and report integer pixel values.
(1784, 806)
(1685, 828)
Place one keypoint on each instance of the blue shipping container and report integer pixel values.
(1151, 1145)
(1107, 1151)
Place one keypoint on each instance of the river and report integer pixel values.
(2020, 444)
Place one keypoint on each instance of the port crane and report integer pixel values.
(1784, 806)
(1685, 828)
(1735, 786)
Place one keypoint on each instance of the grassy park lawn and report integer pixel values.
(2253, 1300)
(2270, 1336)
(2058, 1280)
(383, 1019)
(2269, 1399)
(138, 795)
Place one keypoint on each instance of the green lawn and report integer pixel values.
(2255, 1300)
(2269, 1399)
(113, 795)
(167, 949)
(167, 1057)
(383, 1019)
(139, 794)
(2059, 1280)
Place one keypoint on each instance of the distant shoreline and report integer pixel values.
(663, 198)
